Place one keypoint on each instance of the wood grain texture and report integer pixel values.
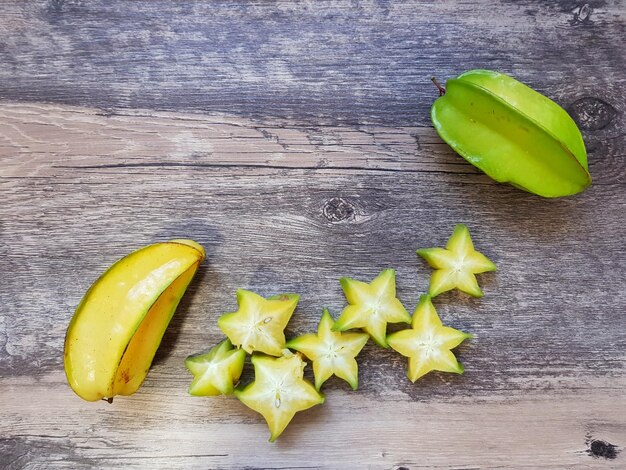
(314, 61)
(292, 140)
(547, 361)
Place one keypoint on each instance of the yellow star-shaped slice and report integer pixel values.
(217, 371)
(372, 306)
(428, 343)
(456, 264)
(259, 323)
(331, 352)
(279, 390)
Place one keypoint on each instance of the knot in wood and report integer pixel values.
(338, 209)
(592, 113)
(599, 448)
(582, 14)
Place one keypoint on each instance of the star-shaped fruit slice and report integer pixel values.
(456, 264)
(428, 343)
(279, 390)
(332, 352)
(372, 306)
(217, 371)
(259, 323)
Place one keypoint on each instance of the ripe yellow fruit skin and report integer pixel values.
(118, 325)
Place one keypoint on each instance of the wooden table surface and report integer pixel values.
(293, 140)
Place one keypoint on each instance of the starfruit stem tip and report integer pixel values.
(442, 90)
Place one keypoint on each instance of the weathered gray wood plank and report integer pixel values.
(267, 229)
(48, 140)
(545, 374)
(166, 429)
(322, 61)
(292, 140)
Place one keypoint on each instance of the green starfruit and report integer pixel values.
(428, 343)
(259, 323)
(332, 352)
(512, 133)
(456, 265)
(217, 371)
(371, 306)
(279, 390)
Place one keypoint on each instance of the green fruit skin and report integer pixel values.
(512, 133)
